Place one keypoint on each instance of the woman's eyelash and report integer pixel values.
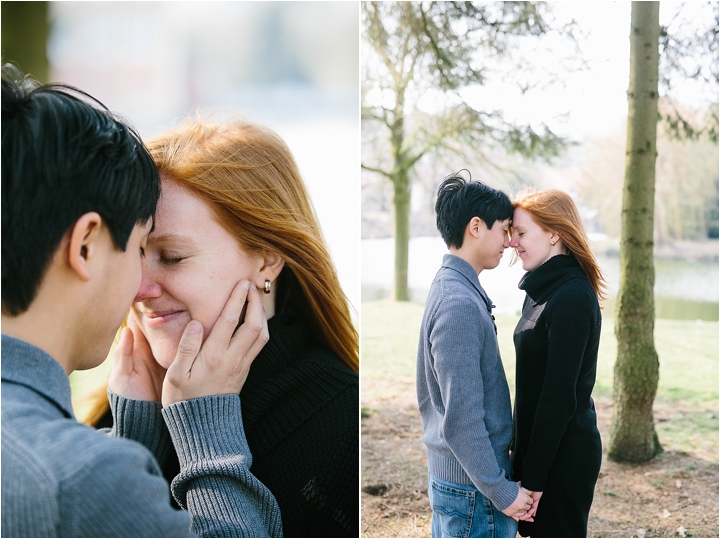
(171, 260)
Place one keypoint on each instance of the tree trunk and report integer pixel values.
(632, 431)
(401, 201)
(24, 37)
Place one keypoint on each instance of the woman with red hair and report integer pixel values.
(234, 206)
(556, 448)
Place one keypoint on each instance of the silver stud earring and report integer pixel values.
(267, 286)
(552, 243)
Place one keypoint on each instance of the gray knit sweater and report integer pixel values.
(462, 391)
(63, 479)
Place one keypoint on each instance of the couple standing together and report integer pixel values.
(495, 470)
(234, 380)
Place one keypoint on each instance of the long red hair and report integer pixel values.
(555, 211)
(248, 177)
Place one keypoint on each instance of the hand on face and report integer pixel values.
(190, 266)
(222, 364)
(135, 374)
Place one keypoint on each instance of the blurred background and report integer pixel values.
(570, 81)
(292, 66)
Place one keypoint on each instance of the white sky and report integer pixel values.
(593, 103)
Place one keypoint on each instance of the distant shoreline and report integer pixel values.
(690, 251)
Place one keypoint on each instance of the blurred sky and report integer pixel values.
(590, 103)
(595, 99)
(292, 66)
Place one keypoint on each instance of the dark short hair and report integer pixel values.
(459, 200)
(63, 154)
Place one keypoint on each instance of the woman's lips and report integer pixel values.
(160, 318)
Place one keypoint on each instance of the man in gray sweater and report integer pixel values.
(462, 390)
(79, 191)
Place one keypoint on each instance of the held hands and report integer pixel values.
(536, 500)
(522, 505)
(222, 364)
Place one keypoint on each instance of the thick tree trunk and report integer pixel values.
(24, 37)
(632, 431)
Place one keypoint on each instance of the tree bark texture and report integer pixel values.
(401, 202)
(632, 432)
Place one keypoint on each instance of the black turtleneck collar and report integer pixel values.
(540, 282)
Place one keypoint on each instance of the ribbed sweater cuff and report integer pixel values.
(501, 494)
(207, 428)
(141, 421)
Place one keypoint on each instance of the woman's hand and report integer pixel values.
(222, 364)
(135, 374)
(519, 509)
(536, 500)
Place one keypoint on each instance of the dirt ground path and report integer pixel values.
(675, 495)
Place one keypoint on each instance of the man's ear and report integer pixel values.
(83, 244)
(272, 266)
(474, 225)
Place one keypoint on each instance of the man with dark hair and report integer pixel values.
(462, 390)
(79, 191)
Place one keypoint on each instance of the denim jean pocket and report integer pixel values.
(453, 509)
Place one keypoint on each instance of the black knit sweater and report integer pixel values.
(300, 409)
(556, 343)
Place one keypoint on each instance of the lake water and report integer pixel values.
(683, 290)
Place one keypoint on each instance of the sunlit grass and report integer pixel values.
(688, 352)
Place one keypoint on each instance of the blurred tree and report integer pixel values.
(689, 57)
(24, 37)
(686, 186)
(686, 197)
(632, 430)
(432, 52)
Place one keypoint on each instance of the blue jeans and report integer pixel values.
(462, 511)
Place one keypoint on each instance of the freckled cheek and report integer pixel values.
(209, 301)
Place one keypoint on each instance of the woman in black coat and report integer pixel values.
(556, 450)
(234, 206)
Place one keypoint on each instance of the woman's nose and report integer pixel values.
(514, 242)
(149, 287)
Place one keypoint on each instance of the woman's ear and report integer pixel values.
(84, 243)
(272, 266)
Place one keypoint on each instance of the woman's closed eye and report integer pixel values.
(171, 258)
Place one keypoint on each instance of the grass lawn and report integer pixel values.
(686, 406)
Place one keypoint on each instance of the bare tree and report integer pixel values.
(416, 50)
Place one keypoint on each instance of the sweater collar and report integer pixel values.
(25, 364)
(559, 269)
(464, 268)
